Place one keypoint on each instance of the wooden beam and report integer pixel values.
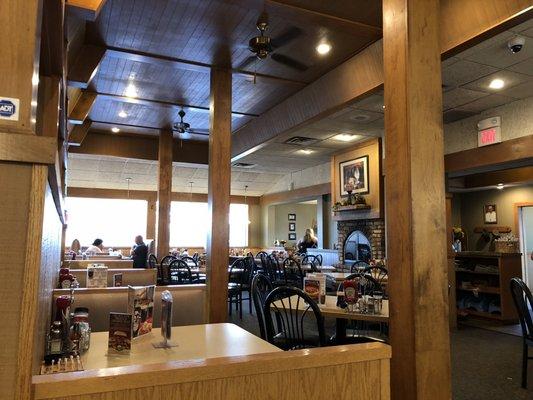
(301, 194)
(363, 73)
(82, 108)
(52, 54)
(140, 147)
(508, 176)
(28, 148)
(170, 62)
(501, 153)
(78, 133)
(414, 187)
(161, 103)
(219, 195)
(48, 106)
(85, 66)
(86, 9)
(164, 191)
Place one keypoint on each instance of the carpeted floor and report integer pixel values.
(485, 364)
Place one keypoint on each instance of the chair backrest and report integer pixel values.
(523, 301)
(380, 274)
(311, 260)
(261, 287)
(191, 262)
(167, 260)
(196, 257)
(180, 272)
(291, 307)
(152, 261)
(292, 272)
(367, 284)
(359, 266)
(319, 259)
(237, 272)
(272, 268)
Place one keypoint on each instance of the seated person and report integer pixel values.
(139, 253)
(96, 248)
(308, 241)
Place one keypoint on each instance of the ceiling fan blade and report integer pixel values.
(246, 63)
(289, 62)
(204, 132)
(286, 37)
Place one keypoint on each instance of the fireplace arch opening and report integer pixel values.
(357, 248)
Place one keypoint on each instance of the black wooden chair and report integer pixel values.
(312, 261)
(197, 277)
(180, 273)
(274, 271)
(236, 280)
(358, 266)
(291, 306)
(293, 274)
(152, 261)
(380, 274)
(261, 287)
(524, 306)
(319, 259)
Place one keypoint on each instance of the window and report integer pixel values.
(115, 221)
(189, 222)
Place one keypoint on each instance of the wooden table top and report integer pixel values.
(307, 267)
(330, 309)
(82, 264)
(194, 342)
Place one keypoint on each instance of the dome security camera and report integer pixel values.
(516, 44)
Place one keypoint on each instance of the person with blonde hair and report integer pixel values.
(308, 241)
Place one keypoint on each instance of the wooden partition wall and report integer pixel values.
(358, 372)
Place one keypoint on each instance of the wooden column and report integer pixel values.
(218, 196)
(164, 192)
(416, 217)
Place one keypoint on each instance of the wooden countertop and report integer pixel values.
(82, 264)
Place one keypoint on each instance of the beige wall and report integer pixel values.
(305, 216)
(471, 210)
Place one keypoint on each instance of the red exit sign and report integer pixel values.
(489, 136)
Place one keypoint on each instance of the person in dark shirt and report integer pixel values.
(308, 241)
(139, 253)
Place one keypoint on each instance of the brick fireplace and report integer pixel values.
(373, 229)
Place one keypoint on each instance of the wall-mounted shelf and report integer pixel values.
(356, 207)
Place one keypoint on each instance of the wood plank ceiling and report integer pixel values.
(159, 53)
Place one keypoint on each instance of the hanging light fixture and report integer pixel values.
(128, 180)
(246, 200)
(190, 190)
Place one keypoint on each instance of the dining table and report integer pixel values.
(341, 315)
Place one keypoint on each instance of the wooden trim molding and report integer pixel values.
(28, 148)
(299, 194)
(86, 9)
(507, 151)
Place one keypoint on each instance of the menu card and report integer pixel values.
(312, 288)
(117, 280)
(141, 307)
(120, 333)
(96, 276)
(318, 294)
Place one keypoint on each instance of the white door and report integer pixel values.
(526, 242)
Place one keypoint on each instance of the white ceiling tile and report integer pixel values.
(111, 166)
(510, 78)
(200, 173)
(183, 172)
(523, 67)
(463, 72)
(484, 103)
(371, 103)
(498, 55)
(521, 91)
(459, 96)
(133, 166)
(523, 27)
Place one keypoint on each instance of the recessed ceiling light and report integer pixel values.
(306, 151)
(33, 121)
(131, 90)
(497, 84)
(122, 114)
(323, 48)
(33, 103)
(345, 137)
(115, 129)
(499, 186)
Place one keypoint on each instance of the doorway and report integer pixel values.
(525, 229)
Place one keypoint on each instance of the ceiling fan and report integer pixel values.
(263, 46)
(184, 128)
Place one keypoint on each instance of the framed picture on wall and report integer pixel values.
(353, 174)
(292, 217)
(292, 236)
(489, 214)
(292, 227)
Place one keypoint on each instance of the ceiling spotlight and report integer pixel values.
(496, 84)
(115, 129)
(131, 90)
(33, 103)
(122, 114)
(306, 151)
(323, 48)
(345, 137)
(33, 120)
(499, 186)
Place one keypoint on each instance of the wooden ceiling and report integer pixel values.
(165, 49)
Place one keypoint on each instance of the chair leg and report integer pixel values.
(240, 304)
(250, 302)
(525, 356)
(230, 303)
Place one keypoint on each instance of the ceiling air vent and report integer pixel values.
(300, 140)
(243, 165)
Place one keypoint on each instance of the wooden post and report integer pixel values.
(164, 192)
(416, 218)
(218, 196)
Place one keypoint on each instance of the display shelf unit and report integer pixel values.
(494, 284)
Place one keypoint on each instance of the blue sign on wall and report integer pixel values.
(7, 108)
